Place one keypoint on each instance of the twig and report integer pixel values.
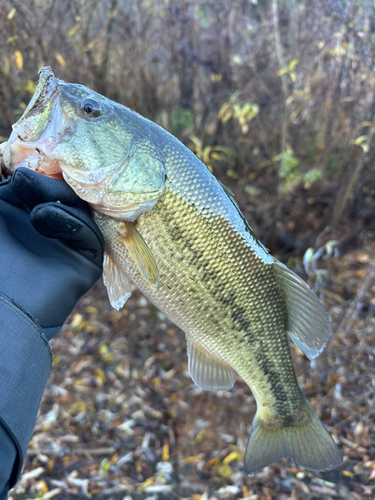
(342, 197)
(74, 451)
(363, 287)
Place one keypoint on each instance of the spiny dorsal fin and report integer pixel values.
(248, 228)
(141, 255)
(207, 371)
(227, 190)
(308, 321)
(116, 281)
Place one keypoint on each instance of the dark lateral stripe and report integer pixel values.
(232, 290)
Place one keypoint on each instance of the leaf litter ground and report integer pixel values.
(121, 418)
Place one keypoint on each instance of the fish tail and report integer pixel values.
(306, 442)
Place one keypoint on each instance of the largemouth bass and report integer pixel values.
(175, 232)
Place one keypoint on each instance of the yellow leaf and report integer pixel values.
(193, 459)
(236, 110)
(149, 481)
(11, 13)
(89, 46)
(100, 374)
(213, 462)
(347, 473)
(19, 60)
(73, 30)
(56, 360)
(360, 140)
(6, 66)
(76, 321)
(201, 435)
(196, 141)
(226, 115)
(138, 465)
(366, 124)
(165, 454)
(225, 471)
(51, 464)
(217, 156)
(215, 78)
(293, 64)
(60, 59)
(77, 407)
(31, 86)
(104, 352)
(42, 485)
(206, 154)
(283, 71)
(295, 113)
(231, 457)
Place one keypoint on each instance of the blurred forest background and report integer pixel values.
(278, 99)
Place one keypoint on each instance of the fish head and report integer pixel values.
(71, 131)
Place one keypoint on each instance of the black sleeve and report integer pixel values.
(25, 365)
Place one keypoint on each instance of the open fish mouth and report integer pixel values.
(36, 133)
(58, 137)
(44, 94)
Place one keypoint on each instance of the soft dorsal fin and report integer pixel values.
(206, 370)
(141, 255)
(308, 321)
(118, 284)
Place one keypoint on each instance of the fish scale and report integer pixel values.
(226, 332)
(174, 231)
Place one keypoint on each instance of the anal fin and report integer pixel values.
(308, 321)
(116, 281)
(141, 255)
(207, 371)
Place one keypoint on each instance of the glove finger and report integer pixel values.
(8, 195)
(72, 225)
(33, 189)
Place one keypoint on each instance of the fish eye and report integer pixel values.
(90, 108)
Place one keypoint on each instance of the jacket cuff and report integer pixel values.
(25, 366)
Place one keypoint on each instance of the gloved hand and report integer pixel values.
(51, 251)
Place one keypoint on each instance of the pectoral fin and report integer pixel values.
(308, 326)
(116, 281)
(207, 371)
(141, 255)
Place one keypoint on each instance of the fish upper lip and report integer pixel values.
(46, 90)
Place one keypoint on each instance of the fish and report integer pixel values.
(172, 229)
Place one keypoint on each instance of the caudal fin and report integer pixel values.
(307, 444)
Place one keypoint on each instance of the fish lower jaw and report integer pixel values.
(19, 154)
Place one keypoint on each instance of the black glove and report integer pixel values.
(51, 251)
